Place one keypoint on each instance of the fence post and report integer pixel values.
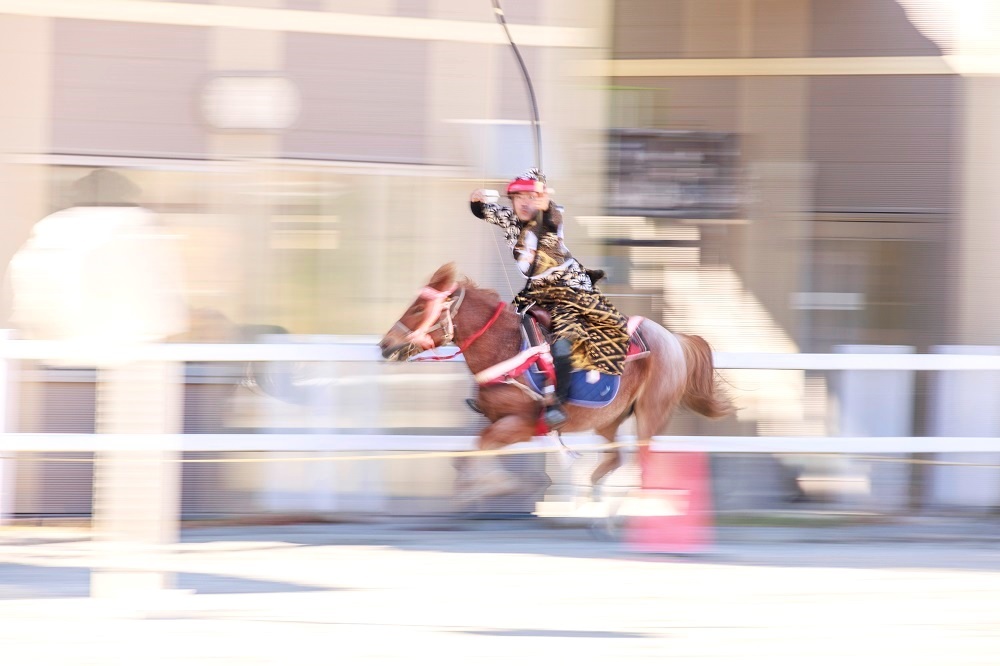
(964, 404)
(879, 403)
(8, 387)
(136, 491)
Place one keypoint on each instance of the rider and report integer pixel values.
(589, 332)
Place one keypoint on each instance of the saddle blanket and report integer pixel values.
(587, 388)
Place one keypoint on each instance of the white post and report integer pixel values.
(879, 403)
(963, 404)
(127, 292)
(136, 492)
(7, 416)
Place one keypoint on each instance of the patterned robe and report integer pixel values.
(558, 283)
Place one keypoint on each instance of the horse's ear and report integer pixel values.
(444, 277)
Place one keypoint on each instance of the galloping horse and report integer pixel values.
(678, 370)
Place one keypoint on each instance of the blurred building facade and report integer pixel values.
(847, 124)
(321, 171)
(814, 148)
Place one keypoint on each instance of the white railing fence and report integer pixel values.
(963, 430)
(364, 349)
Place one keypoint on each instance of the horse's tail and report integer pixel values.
(702, 394)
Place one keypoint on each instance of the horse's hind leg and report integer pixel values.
(611, 459)
(653, 413)
(663, 391)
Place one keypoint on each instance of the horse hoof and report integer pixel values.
(494, 483)
(498, 482)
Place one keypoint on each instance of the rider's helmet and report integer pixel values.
(531, 180)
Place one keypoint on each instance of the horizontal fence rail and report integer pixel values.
(335, 443)
(365, 349)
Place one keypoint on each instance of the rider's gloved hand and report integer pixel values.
(484, 196)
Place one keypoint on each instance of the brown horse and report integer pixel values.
(678, 371)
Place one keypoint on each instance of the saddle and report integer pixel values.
(534, 355)
(587, 389)
(536, 329)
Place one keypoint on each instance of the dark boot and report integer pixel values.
(555, 415)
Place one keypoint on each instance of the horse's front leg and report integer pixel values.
(484, 475)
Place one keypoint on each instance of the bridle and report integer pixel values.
(441, 310)
(439, 314)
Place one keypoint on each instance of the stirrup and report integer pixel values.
(555, 417)
(521, 313)
(473, 405)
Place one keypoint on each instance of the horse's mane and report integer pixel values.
(489, 296)
(472, 286)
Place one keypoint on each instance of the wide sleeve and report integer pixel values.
(501, 216)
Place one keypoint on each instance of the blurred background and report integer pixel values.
(778, 176)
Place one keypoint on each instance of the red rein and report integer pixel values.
(472, 338)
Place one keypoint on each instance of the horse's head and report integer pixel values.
(428, 321)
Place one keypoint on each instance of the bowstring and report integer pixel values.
(496, 241)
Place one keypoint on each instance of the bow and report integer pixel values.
(498, 10)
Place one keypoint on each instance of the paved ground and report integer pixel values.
(508, 593)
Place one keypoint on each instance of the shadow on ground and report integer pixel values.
(943, 545)
(23, 581)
